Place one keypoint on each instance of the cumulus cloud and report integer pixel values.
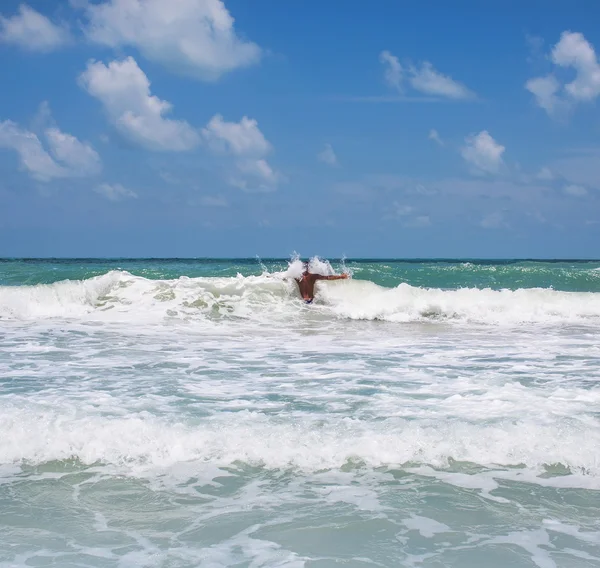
(124, 91)
(431, 82)
(32, 31)
(422, 77)
(195, 37)
(575, 52)
(257, 176)
(241, 138)
(28, 146)
(392, 69)
(483, 153)
(246, 143)
(67, 156)
(434, 135)
(81, 159)
(545, 90)
(327, 156)
(115, 192)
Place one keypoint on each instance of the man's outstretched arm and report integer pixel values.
(332, 277)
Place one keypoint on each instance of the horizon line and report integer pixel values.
(279, 258)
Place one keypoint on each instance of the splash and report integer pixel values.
(316, 265)
(121, 295)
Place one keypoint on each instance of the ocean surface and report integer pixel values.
(182, 413)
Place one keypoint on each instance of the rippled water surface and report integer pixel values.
(197, 413)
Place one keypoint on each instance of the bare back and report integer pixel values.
(306, 284)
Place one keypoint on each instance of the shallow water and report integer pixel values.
(196, 413)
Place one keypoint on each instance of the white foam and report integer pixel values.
(366, 300)
(119, 295)
(66, 298)
(427, 527)
(138, 443)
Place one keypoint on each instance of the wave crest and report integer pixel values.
(121, 295)
(255, 439)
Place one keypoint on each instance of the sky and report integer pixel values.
(210, 128)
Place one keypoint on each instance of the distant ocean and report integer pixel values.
(179, 413)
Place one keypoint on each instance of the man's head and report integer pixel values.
(305, 266)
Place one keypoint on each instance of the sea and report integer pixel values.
(197, 413)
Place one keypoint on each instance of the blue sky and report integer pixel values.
(235, 128)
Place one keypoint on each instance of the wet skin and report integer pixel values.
(306, 283)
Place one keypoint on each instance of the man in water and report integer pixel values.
(306, 283)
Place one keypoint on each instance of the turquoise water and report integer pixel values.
(576, 276)
(196, 413)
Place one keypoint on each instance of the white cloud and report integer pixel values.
(115, 192)
(32, 31)
(124, 90)
(80, 158)
(72, 158)
(195, 37)
(42, 118)
(393, 69)
(571, 51)
(434, 135)
(431, 82)
(258, 176)
(545, 91)
(33, 157)
(258, 168)
(575, 190)
(247, 144)
(483, 152)
(327, 156)
(423, 78)
(240, 138)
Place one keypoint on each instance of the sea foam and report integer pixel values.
(121, 295)
(141, 442)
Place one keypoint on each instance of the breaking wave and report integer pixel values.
(121, 295)
(136, 442)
